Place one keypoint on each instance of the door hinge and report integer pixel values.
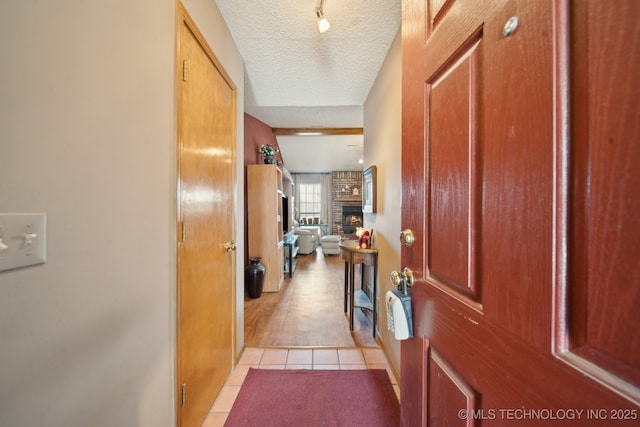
(184, 395)
(181, 232)
(184, 70)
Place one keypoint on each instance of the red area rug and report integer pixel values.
(315, 398)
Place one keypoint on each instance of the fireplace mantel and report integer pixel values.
(348, 199)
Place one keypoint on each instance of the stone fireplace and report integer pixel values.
(345, 196)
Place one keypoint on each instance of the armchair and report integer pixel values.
(308, 240)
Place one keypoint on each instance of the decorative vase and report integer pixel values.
(254, 278)
(269, 160)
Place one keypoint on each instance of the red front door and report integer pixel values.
(521, 138)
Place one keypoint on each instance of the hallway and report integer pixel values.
(308, 311)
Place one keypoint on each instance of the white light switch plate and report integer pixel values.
(24, 239)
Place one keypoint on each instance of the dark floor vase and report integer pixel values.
(254, 278)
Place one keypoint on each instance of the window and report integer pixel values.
(310, 200)
(313, 198)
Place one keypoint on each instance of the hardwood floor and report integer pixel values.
(308, 311)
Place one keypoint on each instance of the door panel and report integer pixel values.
(606, 185)
(206, 165)
(517, 139)
(512, 213)
(449, 392)
(437, 10)
(452, 125)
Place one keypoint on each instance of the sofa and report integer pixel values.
(308, 239)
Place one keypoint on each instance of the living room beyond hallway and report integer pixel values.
(308, 311)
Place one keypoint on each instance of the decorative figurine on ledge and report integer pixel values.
(365, 238)
(268, 152)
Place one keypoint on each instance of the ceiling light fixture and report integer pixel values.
(323, 24)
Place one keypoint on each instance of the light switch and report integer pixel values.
(23, 240)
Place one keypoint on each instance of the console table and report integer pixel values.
(290, 253)
(352, 255)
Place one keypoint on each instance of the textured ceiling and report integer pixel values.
(296, 76)
(309, 154)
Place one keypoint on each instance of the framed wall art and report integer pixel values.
(369, 190)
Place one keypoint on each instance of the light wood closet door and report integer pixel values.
(206, 144)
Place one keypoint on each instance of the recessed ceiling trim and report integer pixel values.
(317, 131)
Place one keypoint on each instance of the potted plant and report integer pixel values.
(268, 152)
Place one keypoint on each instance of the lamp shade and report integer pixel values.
(323, 25)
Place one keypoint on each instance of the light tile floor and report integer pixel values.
(276, 358)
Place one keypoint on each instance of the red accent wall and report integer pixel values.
(256, 133)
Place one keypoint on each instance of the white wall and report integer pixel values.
(87, 135)
(382, 147)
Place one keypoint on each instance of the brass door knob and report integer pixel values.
(402, 278)
(407, 238)
(231, 246)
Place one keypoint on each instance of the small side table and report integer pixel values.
(290, 254)
(352, 255)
